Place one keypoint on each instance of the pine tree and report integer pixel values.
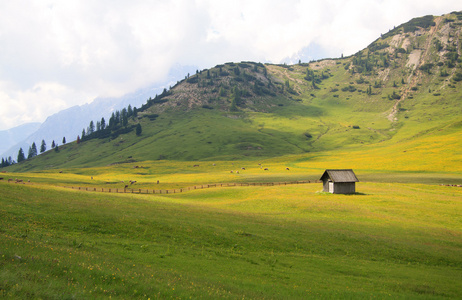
(64, 140)
(78, 139)
(138, 129)
(112, 121)
(53, 144)
(29, 154)
(43, 147)
(124, 117)
(21, 156)
(32, 151)
(91, 128)
(103, 124)
(130, 111)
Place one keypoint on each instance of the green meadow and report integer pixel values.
(394, 238)
(398, 237)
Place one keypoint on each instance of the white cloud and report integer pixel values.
(77, 49)
(43, 99)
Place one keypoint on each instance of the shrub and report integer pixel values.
(457, 77)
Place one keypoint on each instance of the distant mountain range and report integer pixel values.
(16, 135)
(69, 123)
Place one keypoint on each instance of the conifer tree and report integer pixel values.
(43, 147)
(124, 117)
(91, 128)
(64, 140)
(21, 156)
(138, 129)
(32, 151)
(103, 124)
(130, 111)
(29, 153)
(53, 144)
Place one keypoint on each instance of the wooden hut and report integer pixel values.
(339, 181)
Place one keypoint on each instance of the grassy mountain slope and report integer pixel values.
(403, 89)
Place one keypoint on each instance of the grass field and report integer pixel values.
(390, 240)
(399, 236)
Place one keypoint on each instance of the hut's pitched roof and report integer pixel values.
(345, 175)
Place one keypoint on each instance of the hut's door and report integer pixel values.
(331, 187)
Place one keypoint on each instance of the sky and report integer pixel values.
(57, 54)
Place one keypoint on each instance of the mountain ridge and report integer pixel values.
(404, 85)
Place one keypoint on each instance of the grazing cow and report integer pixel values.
(231, 171)
(266, 169)
(243, 168)
(287, 169)
(237, 172)
(126, 186)
(196, 166)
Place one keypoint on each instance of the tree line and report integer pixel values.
(31, 153)
(118, 124)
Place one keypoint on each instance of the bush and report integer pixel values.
(308, 135)
(394, 96)
(457, 77)
(349, 88)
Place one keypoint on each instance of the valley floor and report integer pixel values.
(390, 240)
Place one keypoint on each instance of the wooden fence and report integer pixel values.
(181, 190)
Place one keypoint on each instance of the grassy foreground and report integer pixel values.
(390, 240)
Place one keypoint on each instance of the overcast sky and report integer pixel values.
(56, 54)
